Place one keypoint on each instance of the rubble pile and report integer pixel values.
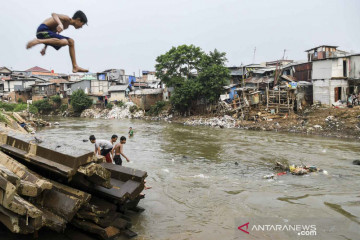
(124, 112)
(94, 113)
(65, 185)
(221, 122)
(114, 113)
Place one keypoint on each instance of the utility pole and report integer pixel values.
(253, 61)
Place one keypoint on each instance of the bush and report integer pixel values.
(157, 108)
(133, 108)
(56, 99)
(63, 107)
(33, 109)
(80, 101)
(9, 107)
(43, 105)
(120, 104)
(20, 100)
(20, 107)
(109, 106)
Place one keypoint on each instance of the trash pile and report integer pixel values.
(124, 112)
(69, 186)
(294, 170)
(94, 113)
(221, 122)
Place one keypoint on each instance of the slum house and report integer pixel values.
(19, 87)
(42, 73)
(119, 93)
(354, 75)
(145, 98)
(4, 71)
(298, 75)
(116, 75)
(42, 91)
(261, 79)
(74, 77)
(330, 70)
(84, 85)
(61, 86)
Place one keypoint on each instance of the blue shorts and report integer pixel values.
(44, 32)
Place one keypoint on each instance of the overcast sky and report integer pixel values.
(130, 34)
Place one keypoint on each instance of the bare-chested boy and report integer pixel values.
(118, 148)
(48, 34)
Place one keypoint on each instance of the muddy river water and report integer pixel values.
(207, 182)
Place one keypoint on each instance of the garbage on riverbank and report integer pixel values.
(221, 122)
(115, 113)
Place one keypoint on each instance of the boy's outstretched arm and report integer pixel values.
(60, 26)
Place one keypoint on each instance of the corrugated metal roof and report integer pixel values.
(148, 91)
(259, 80)
(118, 88)
(264, 70)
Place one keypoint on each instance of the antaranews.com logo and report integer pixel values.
(301, 230)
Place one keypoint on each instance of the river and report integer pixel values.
(207, 182)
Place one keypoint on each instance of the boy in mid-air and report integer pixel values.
(48, 33)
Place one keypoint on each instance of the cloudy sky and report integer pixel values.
(131, 34)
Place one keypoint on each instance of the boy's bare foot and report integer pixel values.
(43, 51)
(147, 187)
(79, 69)
(32, 43)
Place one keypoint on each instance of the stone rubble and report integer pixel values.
(220, 122)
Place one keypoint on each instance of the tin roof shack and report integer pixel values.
(236, 74)
(119, 93)
(43, 90)
(299, 71)
(261, 79)
(145, 98)
(304, 95)
(324, 52)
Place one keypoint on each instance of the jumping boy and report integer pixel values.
(48, 33)
(118, 148)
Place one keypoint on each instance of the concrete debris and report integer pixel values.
(220, 122)
(114, 113)
(92, 195)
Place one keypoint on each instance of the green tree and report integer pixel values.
(80, 101)
(43, 106)
(193, 74)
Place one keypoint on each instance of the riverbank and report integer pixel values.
(329, 122)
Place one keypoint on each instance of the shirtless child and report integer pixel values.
(48, 33)
(118, 148)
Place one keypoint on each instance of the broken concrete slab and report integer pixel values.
(125, 173)
(23, 172)
(96, 174)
